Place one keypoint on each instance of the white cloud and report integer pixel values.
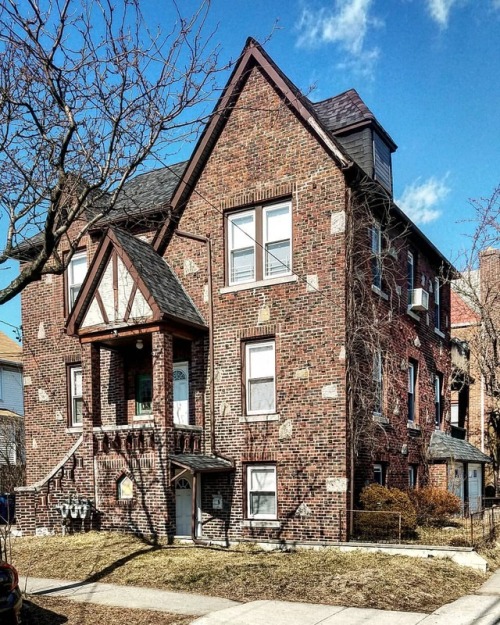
(496, 4)
(420, 199)
(346, 25)
(440, 10)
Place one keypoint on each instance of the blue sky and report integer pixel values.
(428, 69)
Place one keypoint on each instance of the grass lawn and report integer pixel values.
(246, 573)
(55, 611)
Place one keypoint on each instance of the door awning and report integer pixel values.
(197, 463)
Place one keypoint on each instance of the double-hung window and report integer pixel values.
(77, 269)
(261, 492)
(75, 396)
(438, 400)
(260, 378)
(378, 382)
(412, 390)
(379, 473)
(259, 243)
(410, 272)
(376, 258)
(437, 304)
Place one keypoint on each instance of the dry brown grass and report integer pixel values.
(356, 579)
(55, 611)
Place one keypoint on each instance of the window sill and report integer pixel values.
(187, 426)
(143, 417)
(379, 292)
(439, 333)
(261, 523)
(255, 285)
(380, 418)
(413, 428)
(259, 418)
(413, 315)
(74, 429)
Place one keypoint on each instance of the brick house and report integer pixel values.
(475, 302)
(251, 338)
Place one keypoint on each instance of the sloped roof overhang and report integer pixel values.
(198, 463)
(444, 447)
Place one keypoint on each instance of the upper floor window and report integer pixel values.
(410, 273)
(438, 400)
(259, 243)
(412, 475)
(437, 304)
(379, 473)
(260, 378)
(143, 394)
(75, 396)
(412, 390)
(378, 382)
(376, 259)
(76, 272)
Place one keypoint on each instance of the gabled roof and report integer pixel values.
(253, 55)
(347, 111)
(444, 447)
(162, 291)
(10, 351)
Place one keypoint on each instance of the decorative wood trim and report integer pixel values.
(130, 302)
(100, 303)
(114, 260)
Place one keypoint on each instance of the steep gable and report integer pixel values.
(129, 284)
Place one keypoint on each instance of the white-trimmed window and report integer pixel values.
(76, 272)
(261, 492)
(376, 259)
(454, 413)
(437, 304)
(379, 473)
(259, 243)
(438, 400)
(412, 475)
(125, 488)
(412, 390)
(260, 378)
(75, 396)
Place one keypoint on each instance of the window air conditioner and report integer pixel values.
(419, 300)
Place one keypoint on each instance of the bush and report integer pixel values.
(434, 506)
(381, 500)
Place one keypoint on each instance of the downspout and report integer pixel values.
(207, 241)
(482, 413)
(350, 402)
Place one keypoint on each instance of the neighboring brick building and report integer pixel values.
(475, 315)
(197, 371)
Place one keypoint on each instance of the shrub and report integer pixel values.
(381, 500)
(434, 506)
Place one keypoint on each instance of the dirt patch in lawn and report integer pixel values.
(55, 611)
(355, 579)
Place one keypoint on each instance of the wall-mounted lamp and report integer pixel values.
(139, 344)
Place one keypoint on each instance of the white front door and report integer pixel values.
(475, 487)
(183, 505)
(181, 393)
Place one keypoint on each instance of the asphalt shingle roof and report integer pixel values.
(202, 464)
(445, 447)
(345, 109)
(159, 279)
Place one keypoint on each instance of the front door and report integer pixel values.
(475, 487)
(183, 505)
(181, 393)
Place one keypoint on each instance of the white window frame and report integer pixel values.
(412, 476)
(255, 468)
(437, 304)
(260, 243)
(378, 469)
(232, 249)
(455, 413)
(74, 396)
(74, 287)
(438, 399)
(249, 378)
(412, 384)
(376, 250)
(286, 270)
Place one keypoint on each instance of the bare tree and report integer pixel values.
(88, 93)
(479, 287)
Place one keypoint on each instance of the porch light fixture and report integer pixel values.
(139, 344)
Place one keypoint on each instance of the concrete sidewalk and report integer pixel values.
(480, 609)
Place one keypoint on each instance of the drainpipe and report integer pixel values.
(208, 243)
(482, 413)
